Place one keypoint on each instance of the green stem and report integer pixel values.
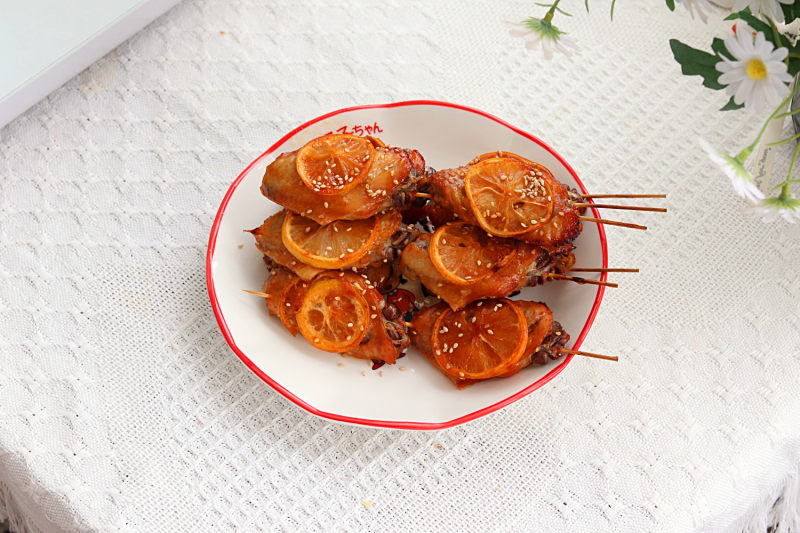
(550, 12)
(788, 113)
(744, 154)
(784, 183)
(791, 167)
(775, 33)
(786, 140)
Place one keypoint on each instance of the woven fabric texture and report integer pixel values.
(122, 408)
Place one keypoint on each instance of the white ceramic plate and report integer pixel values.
(410, 394)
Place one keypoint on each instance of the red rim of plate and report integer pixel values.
(397, 424)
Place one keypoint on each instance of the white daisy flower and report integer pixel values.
(733, 167)
(703, 7)
(770, 8)
(757, 77)
(541, 32)
(783, 206)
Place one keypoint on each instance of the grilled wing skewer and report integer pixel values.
(390, 182)
(382, 339)
(526, 268)
(508, 196)
(545, 338)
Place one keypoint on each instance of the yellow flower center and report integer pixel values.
(756, 69)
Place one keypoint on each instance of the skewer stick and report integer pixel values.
(422, 195)
(580, 269)
(589, 354)
(624, 207)
(612, 222)
(581, 281)
(623, 195)
(262, 294)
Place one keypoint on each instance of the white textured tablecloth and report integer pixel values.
(122, 408)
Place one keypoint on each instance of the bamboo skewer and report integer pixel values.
(589, 354)
(623, 207)
(262, 294)
(623, 195)
(580, 269)
(422, 195)
(612, 222)
(580, 281)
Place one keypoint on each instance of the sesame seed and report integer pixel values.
(325, 205)
(288, 304)
(479, 262)
(308, 228)
(309, 211)
(402, 369)
(480, 304)
(373, 316)
(490, 332)
(349, 324)
(474, 318)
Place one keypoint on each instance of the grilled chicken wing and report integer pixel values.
(545, 337)
(528, 267)
(385, 339)
(392, 236)
(449, 202)
(391, 182)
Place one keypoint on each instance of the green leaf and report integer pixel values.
(794, 66)
(696, 62)
(731, 105)
(671, 5)
(790, 11)
(718, 45)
